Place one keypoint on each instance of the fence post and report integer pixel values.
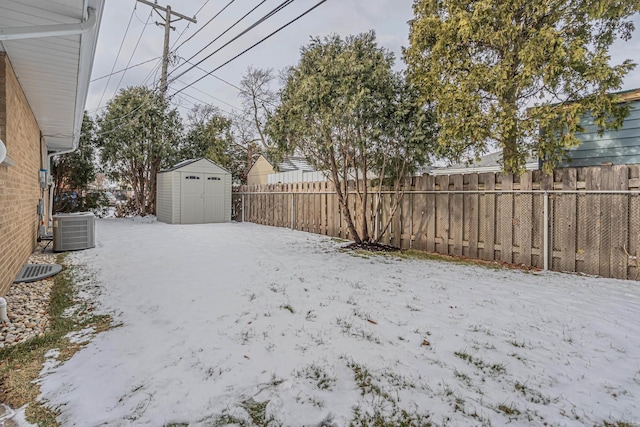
(242, 207)
(545, 228)
(292, 210)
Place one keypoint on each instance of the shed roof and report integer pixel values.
(190, 161)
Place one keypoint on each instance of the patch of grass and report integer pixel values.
(533, 396)
(339, 240)
(510, 410)
(317, 374)
(288, 307)
(366, 382)
(355, 331)
(496, 368)
(461, 260)
(619, 424)
(358, 253)
(395, 418)
(21, 364)
(258, 413)
(462, 376)
(517, 343)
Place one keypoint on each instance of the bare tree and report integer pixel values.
(258, 100)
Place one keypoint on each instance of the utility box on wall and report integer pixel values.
(194, 192)
(74, 231)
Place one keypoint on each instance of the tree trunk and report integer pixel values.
(510, 152)
(343, 199)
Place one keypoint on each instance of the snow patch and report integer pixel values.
(236, 321)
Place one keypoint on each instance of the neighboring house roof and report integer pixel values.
(629, 95)
(188, 162)
(51, 47)
(488, 163)
(254, 163)
(295, 163)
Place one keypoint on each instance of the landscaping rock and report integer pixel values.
(28, 305)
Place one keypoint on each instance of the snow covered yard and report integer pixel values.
(245, 324)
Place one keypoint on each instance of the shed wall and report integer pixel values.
(170, 190)
(175, 197)
(165, 198)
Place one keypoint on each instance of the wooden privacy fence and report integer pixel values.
(577, 219)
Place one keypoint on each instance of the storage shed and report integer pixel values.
(195, 191)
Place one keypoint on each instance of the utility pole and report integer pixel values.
(167, 27)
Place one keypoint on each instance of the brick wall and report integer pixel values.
(19, 184)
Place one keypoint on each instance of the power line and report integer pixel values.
(220, 35)
(118, 55)
(206, 23)
(188, 25)
(270, 14)
(204, 103)
(211, 96)
(201, 7)
(238, 88)
(125, 69)
(254, 45)
(140, 20)
(132, 53)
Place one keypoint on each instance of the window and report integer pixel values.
(191, 177)
(213, 178)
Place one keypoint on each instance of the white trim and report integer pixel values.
(56, 30)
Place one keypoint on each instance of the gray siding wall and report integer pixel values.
(175, 179)
(164, 199)
(169, 191)
(617, 147)
(227, 196)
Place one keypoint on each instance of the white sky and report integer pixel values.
(387, 17)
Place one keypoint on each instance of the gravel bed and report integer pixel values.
(28, 304)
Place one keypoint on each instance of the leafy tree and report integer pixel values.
(74, 172)
(485, 63)
(209, 134)
(139, 135)
(346, 110)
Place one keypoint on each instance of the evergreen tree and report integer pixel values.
(518, 74)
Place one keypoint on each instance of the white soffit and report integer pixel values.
(54, 72)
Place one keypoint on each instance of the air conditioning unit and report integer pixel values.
(74, 231)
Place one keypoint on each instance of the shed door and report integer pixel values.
(214, 198)
(192, 198)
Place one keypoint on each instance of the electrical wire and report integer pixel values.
(132, 54)
(188, 25)
(270, 14)
(220, 35)
(210, 96)
(203, 102)
(207, 23)
(140, 20)
(125, 69)
(118, 55)
(252, 46)
(201, 7)
(238, 88)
